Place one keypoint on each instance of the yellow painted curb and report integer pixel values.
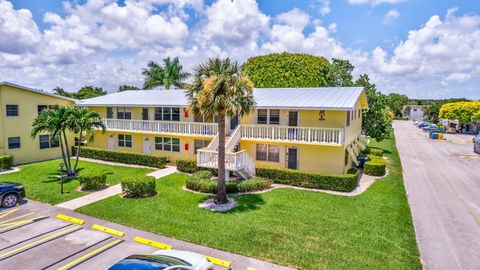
(107, 230)
(71, 219)
(151, 243)
(89, 255)
(218, 261)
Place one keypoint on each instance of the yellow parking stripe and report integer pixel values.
(218, 261)
(8, 212)
(18, 223)
(251, 268)
(8, 220)
(151, 243)
(38, 242)
(89, 255)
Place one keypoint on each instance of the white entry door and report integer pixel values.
(111, 142)
(147, 146)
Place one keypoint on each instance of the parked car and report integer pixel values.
(11, 193)
(424, 124)
(476, 145)
(429, 127)
(164, 260)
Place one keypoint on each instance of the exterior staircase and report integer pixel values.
(238, 162)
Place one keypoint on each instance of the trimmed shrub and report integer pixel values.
(140, 187)
(338, 182)
(187, 165)
(376, 166)
(124, 157)
(204, 174)
(373, 151)
(6, 162)
(211, 185)
(93, 181)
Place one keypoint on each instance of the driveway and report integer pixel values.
(31, 237)
(442, 179)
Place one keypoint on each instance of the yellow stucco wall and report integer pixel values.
(20, 126)
(306, 118)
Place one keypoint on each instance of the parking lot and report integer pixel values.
(33, 237)
(442, 179)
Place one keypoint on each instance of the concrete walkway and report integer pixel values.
(111, 191)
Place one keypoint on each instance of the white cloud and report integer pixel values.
(18, 31)
(295, 18)
(112, 46)
(374, 2)
(391, 16)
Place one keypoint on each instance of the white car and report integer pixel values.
(164, 260)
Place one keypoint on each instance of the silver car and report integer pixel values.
(476, 144)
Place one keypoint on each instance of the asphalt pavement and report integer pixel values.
(442, 179)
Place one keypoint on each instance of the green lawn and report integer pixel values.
(41, 182)
(302, 229)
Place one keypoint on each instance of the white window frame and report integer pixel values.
(124, 140)
(167, 141)
(267, 153)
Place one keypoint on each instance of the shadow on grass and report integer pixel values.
(248, 202)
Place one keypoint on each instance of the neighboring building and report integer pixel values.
(19, 105)
(413, 112)
(309, 129)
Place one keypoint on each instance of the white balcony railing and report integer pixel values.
(169, 127)
(293, 134)
(233, 161)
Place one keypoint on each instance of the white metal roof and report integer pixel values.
(39, 91)
(323, 98)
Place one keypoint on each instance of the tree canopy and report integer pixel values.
(169, 74)
(84, 92)
(287, 70)
(339, 73)
(125, 87)
(396, 102)
(465, 112)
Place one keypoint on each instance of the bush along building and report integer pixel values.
(306, 129)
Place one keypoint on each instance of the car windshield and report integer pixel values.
(146, 262)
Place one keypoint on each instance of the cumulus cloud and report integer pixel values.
(18, 32)
(391, 16)
(374, 2)
(295, 18)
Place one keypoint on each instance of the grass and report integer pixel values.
(302, 229)
(42, 184)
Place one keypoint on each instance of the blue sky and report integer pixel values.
(417, 47)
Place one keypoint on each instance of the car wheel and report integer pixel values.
(9, 200)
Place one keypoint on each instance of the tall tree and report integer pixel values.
(396, 102)
(61, 92)
(339, 73)
(220, 88)
(89, 92)
(169, 74)
(377, 121)
(54, 122)
(125, 87)
(84, 123)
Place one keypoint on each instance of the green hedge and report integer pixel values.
(339, 182)
(373, 151)
(187, 165)
(202, 181)
(6, 162)
(376, 166)
(140, 187)
(124, 157)
(92, 181)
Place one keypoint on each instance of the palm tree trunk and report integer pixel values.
(67, 150)
(221, 193)
(63, 152)
(78, 152)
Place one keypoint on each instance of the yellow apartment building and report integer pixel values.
(19, 105)
(308, 129)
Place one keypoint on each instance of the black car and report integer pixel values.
(11, 193)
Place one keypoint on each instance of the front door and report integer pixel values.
(233, 122)
(147, 146)
(293, 122)
(292, 158)
(111, 142)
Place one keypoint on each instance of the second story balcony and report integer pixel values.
(163, 127)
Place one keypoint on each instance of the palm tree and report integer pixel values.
(55, 123)
(220, 88)
(167, 75)
(83, 121)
